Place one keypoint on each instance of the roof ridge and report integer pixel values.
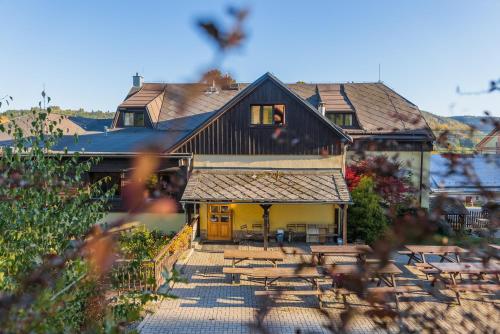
(245, 92)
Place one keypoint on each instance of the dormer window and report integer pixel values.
(341, 119)
(267, 114)
(131, 118)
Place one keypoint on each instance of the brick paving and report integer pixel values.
(209, 303)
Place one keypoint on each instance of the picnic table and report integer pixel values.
(321, 251)
(471, 268)
(386, 273)
(237, 256)
(309, 274)
(417, 253)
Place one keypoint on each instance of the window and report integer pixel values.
(128, 119)
(268, 114)
(139, 119)
(133, 119)
(340, 119)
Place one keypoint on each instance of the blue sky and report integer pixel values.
(85, 52)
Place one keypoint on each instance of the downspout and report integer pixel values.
(344, 158)
(421, 172)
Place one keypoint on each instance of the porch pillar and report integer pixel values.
(344, 223)
(266, 208)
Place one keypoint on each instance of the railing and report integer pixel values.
(149, 274)
(472, 220)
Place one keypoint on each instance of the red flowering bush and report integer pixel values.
(391, 182)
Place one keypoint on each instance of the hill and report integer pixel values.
(461, 137)
(98, 114)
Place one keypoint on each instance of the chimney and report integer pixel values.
(322, 108)
(321, 104)
(137, 80)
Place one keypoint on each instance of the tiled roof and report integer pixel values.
(65, 123)
(124, 140)
(267, 186)
(378, 108)
(381, 110)
(485, 167)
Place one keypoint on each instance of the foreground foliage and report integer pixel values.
(46, 209)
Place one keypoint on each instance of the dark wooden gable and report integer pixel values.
(304, 133)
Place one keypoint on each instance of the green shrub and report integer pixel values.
(367, 220)
(142, 244)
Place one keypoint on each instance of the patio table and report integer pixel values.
(386, 274)
(321, 251)
(237, 256)
(308, 274)
(418, 253)
(470, 268)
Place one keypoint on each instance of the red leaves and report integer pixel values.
(390, 182)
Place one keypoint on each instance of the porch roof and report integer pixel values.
(242, 185)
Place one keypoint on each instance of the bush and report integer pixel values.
(142, 244)
(367, 220)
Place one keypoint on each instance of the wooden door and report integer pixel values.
(219, 222)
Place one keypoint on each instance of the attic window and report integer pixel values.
(341, 119)
(267, 114)
(131, 118)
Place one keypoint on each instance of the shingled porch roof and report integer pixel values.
(241, 185)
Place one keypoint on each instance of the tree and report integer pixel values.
(391, 182)
(367, 220)
(46, 208)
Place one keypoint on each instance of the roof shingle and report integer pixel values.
(267, 186)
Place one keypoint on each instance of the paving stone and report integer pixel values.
(209, 303)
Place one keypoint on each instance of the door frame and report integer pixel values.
(218, 238)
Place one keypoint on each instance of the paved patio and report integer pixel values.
(209, 303)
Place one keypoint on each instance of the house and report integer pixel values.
(264, 154)
(381, 122)
(490, 143)
(473, 179)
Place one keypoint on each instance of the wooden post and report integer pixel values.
(344, 224)
(266, 208)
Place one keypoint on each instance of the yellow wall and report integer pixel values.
(269, 161)
(279, 215)
(411, 161)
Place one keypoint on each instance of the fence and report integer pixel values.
(150, 274)
(474, 219)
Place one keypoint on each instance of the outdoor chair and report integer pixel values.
(258, 230)
(245, 236)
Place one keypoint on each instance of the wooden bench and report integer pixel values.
(309, 274)
(491, 288)
(235, 271)
(426, 269)
(378, 294)
(237, 256)
(276, 293)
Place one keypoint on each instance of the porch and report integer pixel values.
(239, 203)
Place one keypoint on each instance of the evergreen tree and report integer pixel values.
(366, 217)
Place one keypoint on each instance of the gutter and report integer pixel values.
(122, 154)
